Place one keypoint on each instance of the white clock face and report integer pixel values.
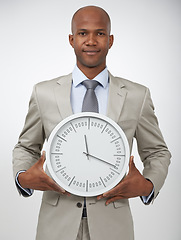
(87, 154)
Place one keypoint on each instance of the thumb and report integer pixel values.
(42, 158)
(131, 164)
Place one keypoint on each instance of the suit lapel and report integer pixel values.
(62, 94)
(116, 98)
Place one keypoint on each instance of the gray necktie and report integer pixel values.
(90, 103)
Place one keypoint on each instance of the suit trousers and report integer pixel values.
(83, 233)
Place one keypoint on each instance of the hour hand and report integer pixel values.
(87, 154)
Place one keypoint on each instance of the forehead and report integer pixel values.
(90, 20)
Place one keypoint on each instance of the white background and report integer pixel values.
(34, 47)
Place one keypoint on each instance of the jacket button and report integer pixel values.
(79, 205)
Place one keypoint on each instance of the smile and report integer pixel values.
(91, 52)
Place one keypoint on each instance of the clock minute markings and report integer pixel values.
(73, 127)
(61, 138)
(115, 171)
(57, 153)
(60, 169)
(104, 128)
(86, 185)
(119, 155)
(71, 181)
(88, 123)
(115, 139)
(102, 182)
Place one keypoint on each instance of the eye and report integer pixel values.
(101, 34)
(82, 33)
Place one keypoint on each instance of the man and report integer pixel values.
(127, 103)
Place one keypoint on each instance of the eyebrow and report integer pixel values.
(101, 29)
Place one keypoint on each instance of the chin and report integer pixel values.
(91, 64)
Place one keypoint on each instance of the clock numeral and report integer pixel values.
(102, 182)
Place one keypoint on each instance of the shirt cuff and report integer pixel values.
(26, 192)
(148, 199)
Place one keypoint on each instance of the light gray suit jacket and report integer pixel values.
(130, 105)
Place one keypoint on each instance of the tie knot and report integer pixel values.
(90, 84)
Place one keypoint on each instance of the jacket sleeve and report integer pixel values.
(30, 143)
(151, 146)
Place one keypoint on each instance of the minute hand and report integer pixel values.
(87, 154)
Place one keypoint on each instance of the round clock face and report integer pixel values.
(87, 154)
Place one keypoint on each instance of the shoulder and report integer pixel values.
(133, 88)
(49, 84)
(46, 89)
(131, 84)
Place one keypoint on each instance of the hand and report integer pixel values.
(133, 185)
(86, 145)
(36, 178)
(87, 154)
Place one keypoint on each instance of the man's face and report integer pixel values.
(91, 39)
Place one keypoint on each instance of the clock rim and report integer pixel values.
(79, 115)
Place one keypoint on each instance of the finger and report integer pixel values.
(113, 199)
(67, 193)
(100, 197)
(113, 191)
(56, 189)
(54, 186)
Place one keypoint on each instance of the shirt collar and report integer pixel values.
(79, 77)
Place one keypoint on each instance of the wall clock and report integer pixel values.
(87, 154)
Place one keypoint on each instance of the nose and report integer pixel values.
(91, 40)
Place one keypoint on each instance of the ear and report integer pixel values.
(111, 40)
(71, 40)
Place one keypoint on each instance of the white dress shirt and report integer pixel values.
(78, 90)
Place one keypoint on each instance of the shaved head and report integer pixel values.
(91, 10)
(91, 39)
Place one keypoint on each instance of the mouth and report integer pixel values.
(91, 52)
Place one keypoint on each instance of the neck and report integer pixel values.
(91, 72)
